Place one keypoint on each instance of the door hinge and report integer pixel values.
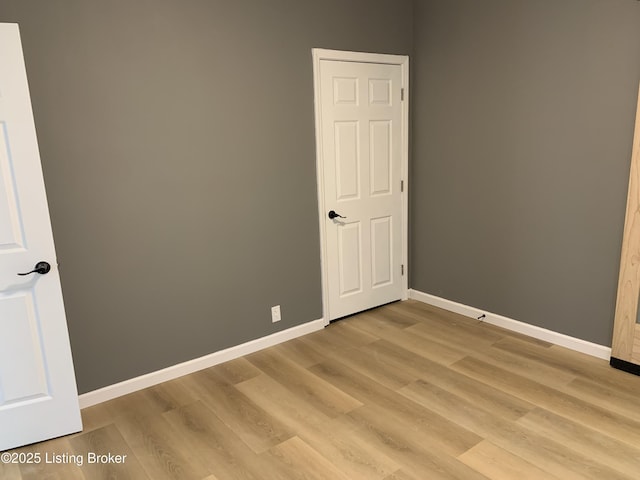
(402, 270)
(401, 185)
(402, 94)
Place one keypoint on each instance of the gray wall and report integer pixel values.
(177, 140)
(523, 121)
(178, 150)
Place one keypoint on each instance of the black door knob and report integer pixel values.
(333, 215)
(41, 267)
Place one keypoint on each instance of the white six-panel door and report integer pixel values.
(38, 395)
(361, 119)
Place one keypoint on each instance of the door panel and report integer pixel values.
(625, 351)
(11, 233)
(347, 160)
(380, 157)
(38, 396)
(381, 251)
(350, 258)
(26, 379)
(361, 124)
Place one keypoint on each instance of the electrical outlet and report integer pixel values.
(275, 314)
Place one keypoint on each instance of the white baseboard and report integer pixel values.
(138, 383)
(550, 336)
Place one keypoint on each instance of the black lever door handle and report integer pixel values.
(333, 215)
(41, 267)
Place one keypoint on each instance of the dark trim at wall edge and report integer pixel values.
(624, 365)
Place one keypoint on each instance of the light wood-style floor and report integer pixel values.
(404, 392)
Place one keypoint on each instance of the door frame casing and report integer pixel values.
(625, 348)
(320, 54)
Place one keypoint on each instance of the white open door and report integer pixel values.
(38, 395)
(361, 125)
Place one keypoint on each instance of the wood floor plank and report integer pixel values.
(154, 444)
(374, 366)
(303, 462)
(439, 321)
(503, 404)
(397, 358)
(68, 469)
(427, 312)
(595, 445)
(104, 441)
(462, 333)
(256, 427)
(282, 403)
(372, 324)
(236, 371)
(402, 475)
(97, 416)
(576, 363)
(10, 471)
(426, 430)
(300, 353)
(424, 457)
(331, 438)
(518, 336)
(433, 350)
(498, 464)
(571, 407)
(337, 336)
(219, 448)
(556, 458)
(396, 315)
(499, 403)
(340, 334)
(167, 396)
(381, 401)
(149, 401)
(526, 367)
(604, 396)
(349, 451)
(617, 382)
(322, 395)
